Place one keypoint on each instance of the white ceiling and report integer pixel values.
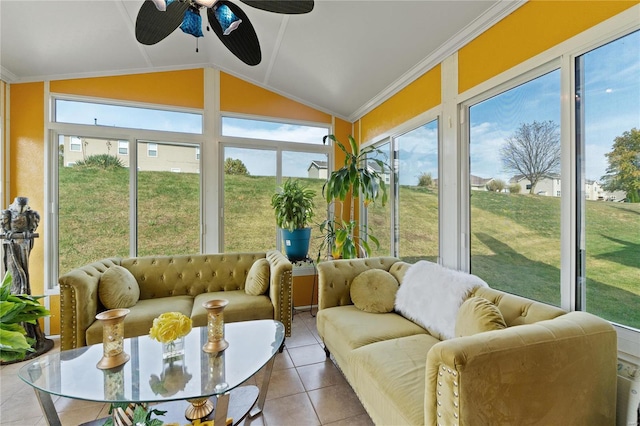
(344, 57)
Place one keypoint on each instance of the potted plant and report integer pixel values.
(358, 178)
(16, 309)
(293, 207)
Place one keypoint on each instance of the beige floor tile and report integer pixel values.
(320, 375)
(78, 416)
(302, 337)
(283, 361)
(284, 383)
(335, 403)
(305, 355)
(361, 420)
(256, 421)
(26, 420)
(67, 404)
(294, 410)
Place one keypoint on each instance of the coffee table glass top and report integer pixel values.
(146, 377)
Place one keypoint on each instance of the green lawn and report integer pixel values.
(515, 239)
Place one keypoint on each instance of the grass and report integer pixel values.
(515, 239)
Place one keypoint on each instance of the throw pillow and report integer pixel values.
(258, 278)
(430, 296)
(118, 288)
(374, 291)
(476, 315)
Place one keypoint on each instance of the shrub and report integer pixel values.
(425, 180)
(235, 167)
(101, 161)
(515, 188)
(496, 185)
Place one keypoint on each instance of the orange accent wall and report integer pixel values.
(175, 88)
(239, 96)
(529, 30)
(421, 95)
(26, 164)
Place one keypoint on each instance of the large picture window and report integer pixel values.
(514, 182)
(608, 143)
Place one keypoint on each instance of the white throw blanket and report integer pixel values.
(430, 295)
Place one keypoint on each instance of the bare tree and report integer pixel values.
(533, 151)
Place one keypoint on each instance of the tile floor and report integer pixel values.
(305, 389)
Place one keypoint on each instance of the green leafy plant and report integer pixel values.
(101, 161)
(293, 205)
(141, 416)
(16, 309)
(362, 177)
(235, 167)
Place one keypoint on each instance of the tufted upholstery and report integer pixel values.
(533, 372)
(172, 278)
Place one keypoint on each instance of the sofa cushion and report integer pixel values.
(390, 378)
(352, 328)
(118, 288)
(257, 282)
(431, 294)
(477, 315)
(139, 320)
(241, 307)
(374, 291)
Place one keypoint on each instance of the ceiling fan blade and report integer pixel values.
(153, 25)
(233, 28)
(292, 7)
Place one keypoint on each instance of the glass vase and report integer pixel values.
(173, 348)
(113, 353)
(215, 326)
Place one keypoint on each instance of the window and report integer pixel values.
(75, 144)
(104, 114)
(516, 232)
(272, 130)
(168, 205)
(254, 170)
(608, 146)
(152, 150)
(416, 157)
(123, 148)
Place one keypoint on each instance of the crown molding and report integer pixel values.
(479, 25)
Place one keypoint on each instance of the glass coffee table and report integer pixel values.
(147, 378)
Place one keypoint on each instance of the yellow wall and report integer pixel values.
(531, 29)
(238, 96)
(174, 88)
(421, 95)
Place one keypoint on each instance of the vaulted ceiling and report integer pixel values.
(343, 58)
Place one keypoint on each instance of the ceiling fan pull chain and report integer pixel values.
(197, 46)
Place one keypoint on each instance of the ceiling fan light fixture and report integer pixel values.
(206, 3)
(161, 5)
(227, 19)
(192, 22)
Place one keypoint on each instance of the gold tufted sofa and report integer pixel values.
(174, 283)
(548, 367)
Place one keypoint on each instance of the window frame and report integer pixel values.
(121, 134)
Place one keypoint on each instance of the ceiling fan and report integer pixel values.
(159, 18)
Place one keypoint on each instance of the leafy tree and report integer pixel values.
(623, 173)
(235, 167)
(533, 151)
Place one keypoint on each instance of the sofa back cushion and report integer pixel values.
(477, 315)
(518, 310)
(164, 276)
(257, 282)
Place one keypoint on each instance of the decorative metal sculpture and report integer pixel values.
(19, 224)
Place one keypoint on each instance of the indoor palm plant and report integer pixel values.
(16, 309)
(293, 207)
(359, 179)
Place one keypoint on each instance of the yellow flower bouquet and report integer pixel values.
(170, 326)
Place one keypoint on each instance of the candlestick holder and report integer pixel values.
(113, 353)
(215, 326)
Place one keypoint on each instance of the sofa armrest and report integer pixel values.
(280, 288)
(335, 276)
(79, 302)
(559, 371)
